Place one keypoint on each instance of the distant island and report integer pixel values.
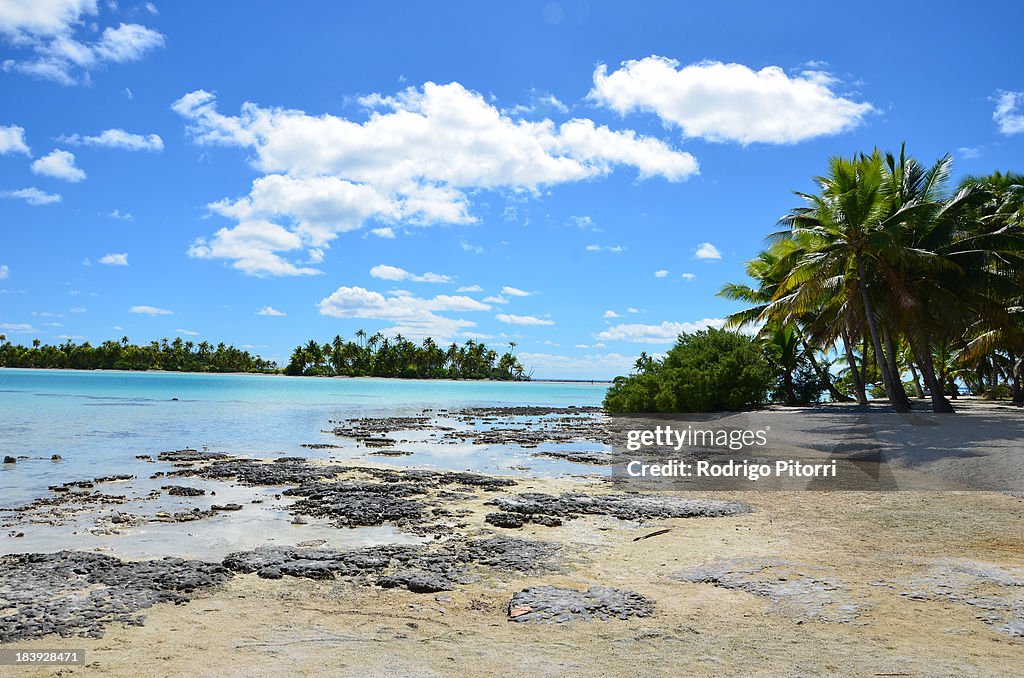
(380, 356)
(373, 356)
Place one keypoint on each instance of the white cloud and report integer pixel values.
(42, 17)
(611, 314)
(475, 249)
(12, 140)
(385, 232)
(117, 138)
(48, 27)
(584, 223)
(632, 310)
(495, 299)
(1009, 113)
(968, 152)
(270, 310)
(33, 196)
(5, 272)
(522, 319)
(77, 309)
(515, 291)
(688, 276)
(665, 333)
(123, 216)
(60, 165)
(593, 366)
(385, 272)
(730, 102)
(17, 327)
(416, 159)
(661, 274)
(413, 316)
(470, 288)
(190, 333)
(614, 249)
(707, 252)
(115, 259)
(253, 246)
(151, 8)
(149, 310)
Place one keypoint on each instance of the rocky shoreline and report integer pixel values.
(494, 548)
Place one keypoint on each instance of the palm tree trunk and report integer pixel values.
(825, 377)
(894, 368)
(1018, 387)
(858, 380)
(864, 358)
(931, 380)
(918, 390)
(899, 404)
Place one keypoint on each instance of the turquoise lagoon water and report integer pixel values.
(99, 421)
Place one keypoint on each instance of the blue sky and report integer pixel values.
(577, 177)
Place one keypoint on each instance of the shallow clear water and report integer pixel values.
(99, 421)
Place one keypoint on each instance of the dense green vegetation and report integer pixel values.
(175, 356)
(916, 285)
(380, 356)
(705, 371)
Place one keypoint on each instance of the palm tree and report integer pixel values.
(845, 229)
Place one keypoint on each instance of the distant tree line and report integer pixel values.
(173, 356)
(380, 356)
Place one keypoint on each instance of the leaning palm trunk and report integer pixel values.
(918, 390)
(931, 380)
(858, 380)
(894, 368)
(1018, 387)
(899, 404)
(825, 377)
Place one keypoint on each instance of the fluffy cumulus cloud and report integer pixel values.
(271, 311)
(117, 138)
(707, 252)
(32, 195)
(59, 165)
(665, 333)
(120, 259)
(415, 159)
(44, 33)
(149, 310)
(12, 140)
(730, 102)
(413, 316)
(594, 366)
(1009, 113)
(385, 272)
(522, 319)
(515, 291)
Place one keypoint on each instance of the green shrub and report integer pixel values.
(707, 371)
